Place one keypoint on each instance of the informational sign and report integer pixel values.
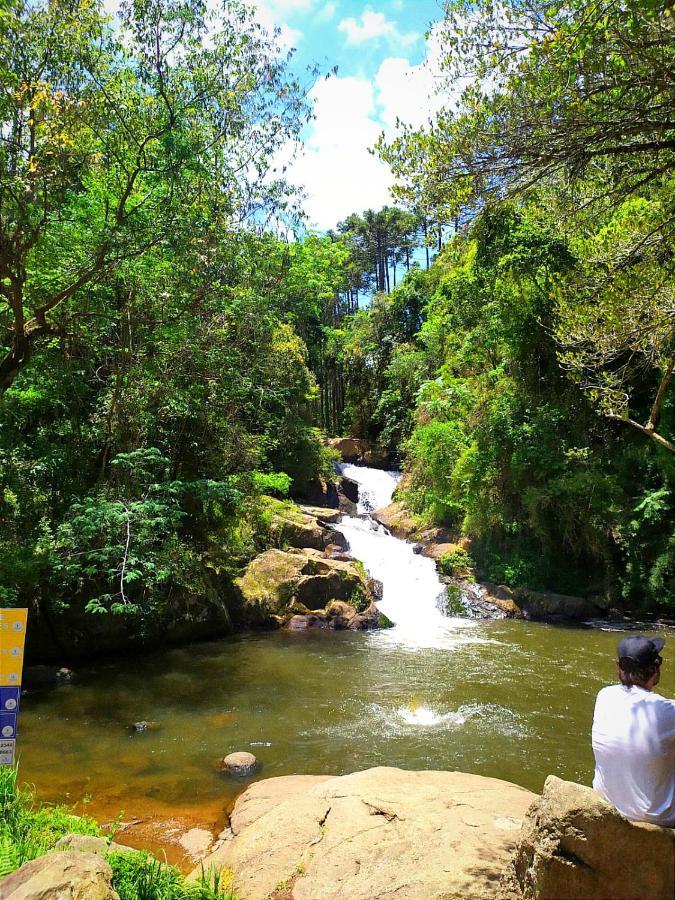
(12, 641)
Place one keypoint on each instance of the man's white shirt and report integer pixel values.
(634, 747)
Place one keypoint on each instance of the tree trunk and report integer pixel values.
(15, 361)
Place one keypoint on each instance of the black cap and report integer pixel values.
(642, 650)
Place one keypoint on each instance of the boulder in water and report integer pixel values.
(277, 582)
(35, 677)
(350, 489)
(239, 763)
(144, 725)
(550, 607)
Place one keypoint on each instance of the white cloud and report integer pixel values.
(285, 7)
(267, 12)
(373, 26)
(335, 168)
(327, 12)
(410, 93)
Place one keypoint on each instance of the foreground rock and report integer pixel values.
(382, 833)
(67, 875)
(575, 845)
(279, 584)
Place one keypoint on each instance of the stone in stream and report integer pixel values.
(143, 725)
(276, 582)
(35, 677)
(239, 763)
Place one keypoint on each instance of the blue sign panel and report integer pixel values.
(8, 725)
(9, 699)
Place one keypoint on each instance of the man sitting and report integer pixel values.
(634, 737)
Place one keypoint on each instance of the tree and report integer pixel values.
(380, 241)
(113, 140)
(616, 317)
(553, 89)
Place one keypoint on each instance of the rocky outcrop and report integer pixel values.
(341, 616)
(435, 541)
(359, 451)
(480, 600)
(293, 525)
(575, 846)
(279, 584)
(382, 833)
(550, 607)
(67, 875)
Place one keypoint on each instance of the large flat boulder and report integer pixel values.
(576, 846)
(381, 833)
(63, 875)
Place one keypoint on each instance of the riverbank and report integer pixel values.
(378, 833)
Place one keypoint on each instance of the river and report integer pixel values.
(504, 698)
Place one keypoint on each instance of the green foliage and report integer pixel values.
(457, 563)
(139, 876)
(499, 445)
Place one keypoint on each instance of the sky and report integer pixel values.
(385, 71)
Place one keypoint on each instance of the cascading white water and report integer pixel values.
(412, 590)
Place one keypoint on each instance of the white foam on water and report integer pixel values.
(376, 486)
(425, 716)
(480, 717)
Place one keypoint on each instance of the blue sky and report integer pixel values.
(386, 69)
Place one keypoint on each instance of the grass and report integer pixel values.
(139, 876)
(29, 830)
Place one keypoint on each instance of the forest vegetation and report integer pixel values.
(505, 331)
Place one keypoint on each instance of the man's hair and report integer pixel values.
(630, 673)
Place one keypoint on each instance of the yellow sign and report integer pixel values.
(12, 641)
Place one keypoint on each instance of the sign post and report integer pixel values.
(12, 640)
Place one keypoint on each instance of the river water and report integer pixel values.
(509, 699)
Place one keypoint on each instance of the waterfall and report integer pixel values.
(413, 595)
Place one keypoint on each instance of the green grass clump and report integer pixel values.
(139, 876)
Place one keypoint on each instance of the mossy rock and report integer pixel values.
(277, 583)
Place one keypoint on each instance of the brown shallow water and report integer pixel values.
(508, 699)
